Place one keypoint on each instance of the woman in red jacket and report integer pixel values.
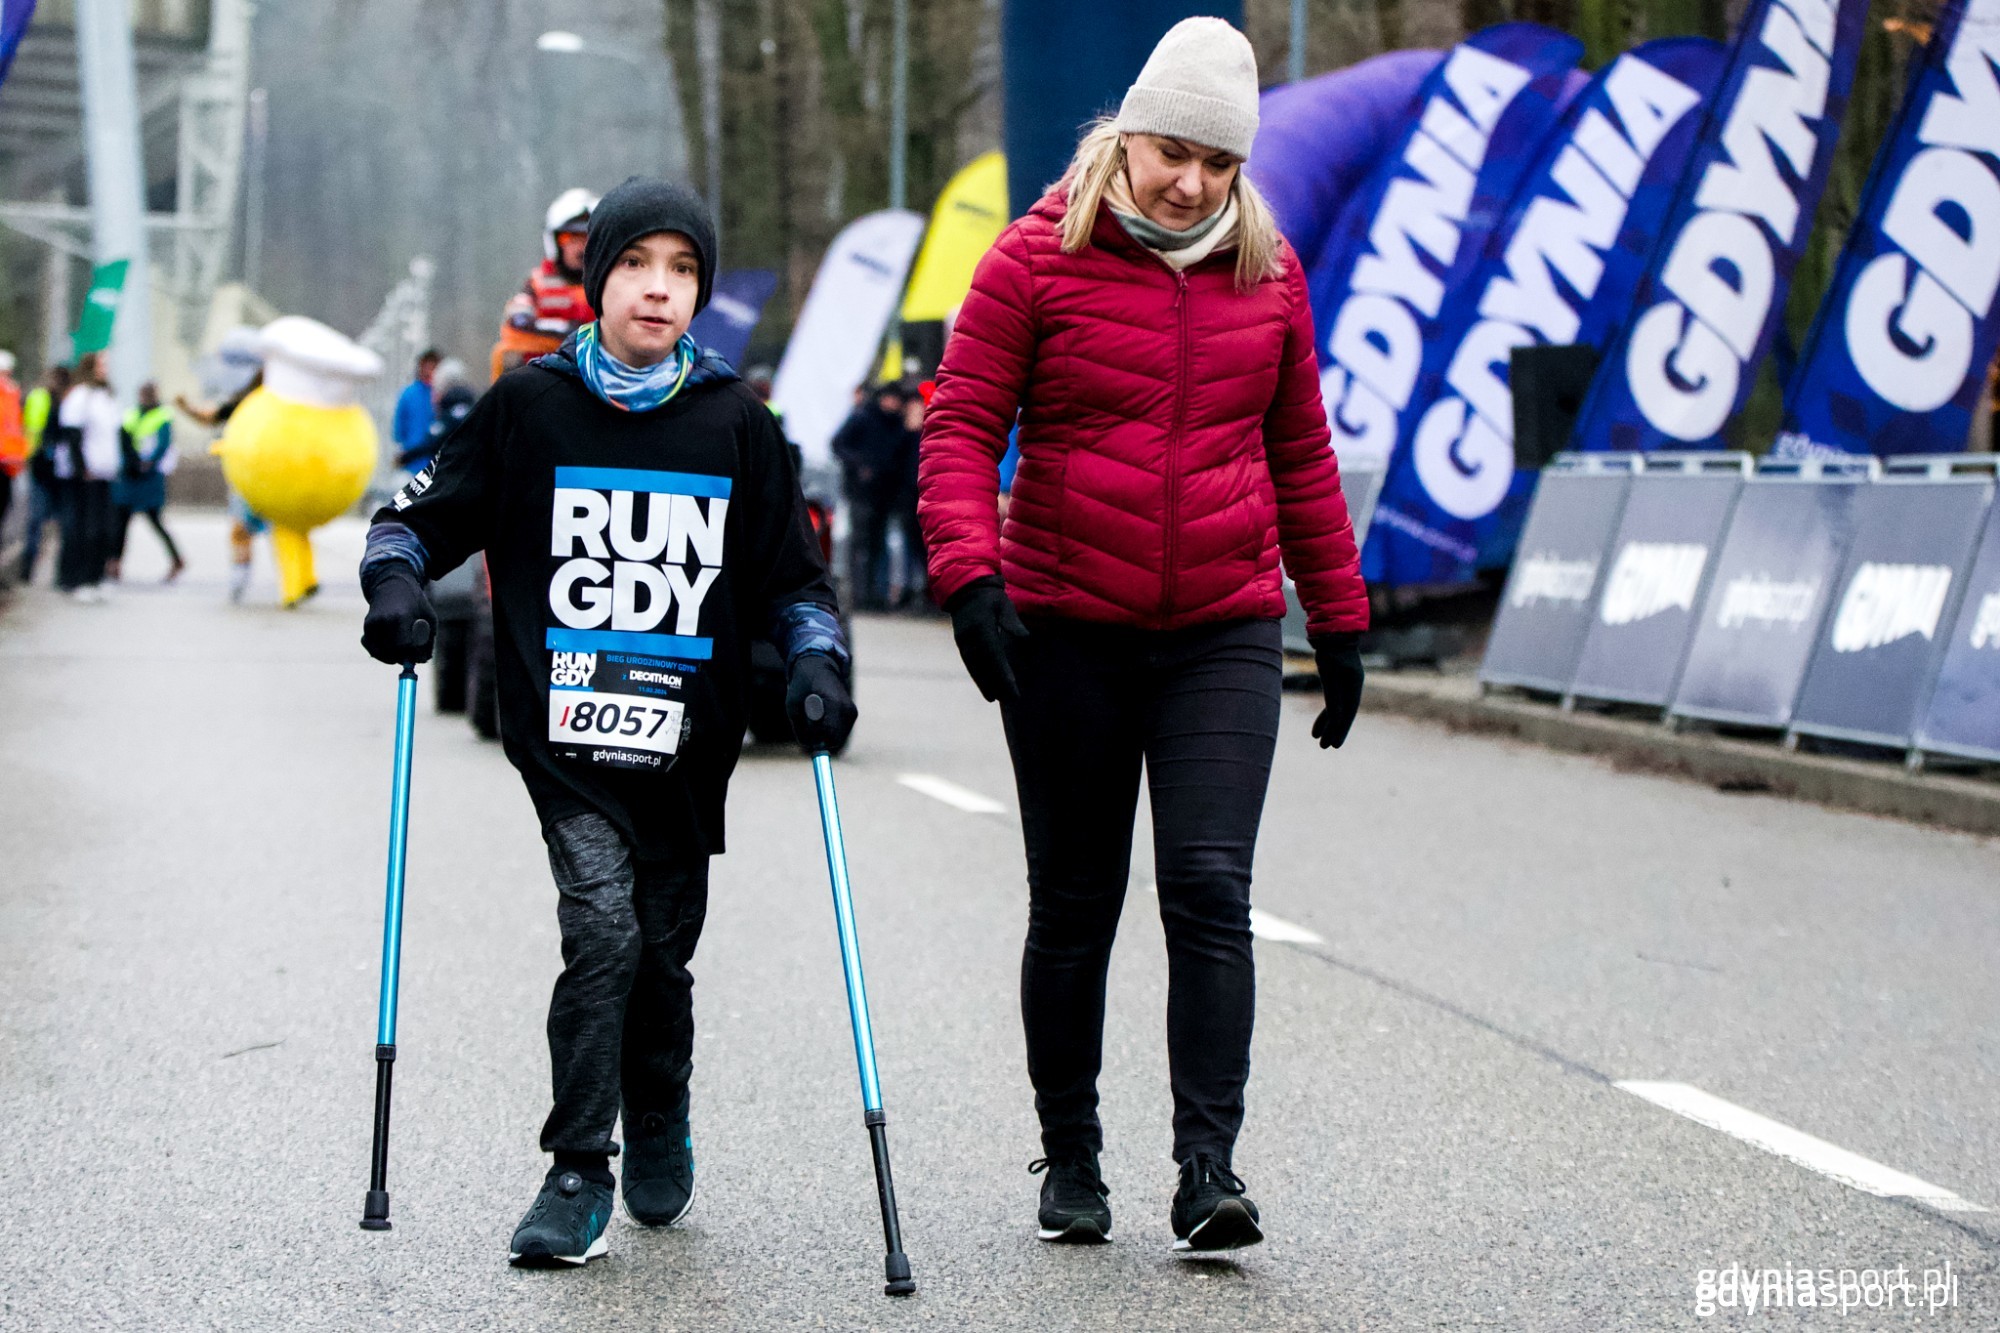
(1151, 329)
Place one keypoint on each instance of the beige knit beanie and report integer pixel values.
(1200, 84)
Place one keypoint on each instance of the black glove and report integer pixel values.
(1340, 676)
(400, 619)
(984, 622)
(817, 701)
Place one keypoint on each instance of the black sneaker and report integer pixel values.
(1075, 1200)
(565, 1224)
(658, 1171)
(1210, 1212)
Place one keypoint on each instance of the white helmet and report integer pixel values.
(570, 208)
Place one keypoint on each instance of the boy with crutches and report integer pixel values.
(642, 523)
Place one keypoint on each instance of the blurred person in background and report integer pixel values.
(455, 397)
(91, 424)
(760, 380)
(416, 408)
(551, 304)
(245, 526)
(1129, 621)
(13, 439)
(903, 499)
(141, 488)
(37, 409)
(869, 445)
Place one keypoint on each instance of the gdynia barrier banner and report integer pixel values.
(1418, 227)
(1563, 268)
(1688, 356)
(1898, 352)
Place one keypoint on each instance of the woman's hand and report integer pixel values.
(984, 623)
(1340, 678)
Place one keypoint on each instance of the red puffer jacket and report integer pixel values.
(1172, 439)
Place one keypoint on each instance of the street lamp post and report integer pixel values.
(116, 173)
(560, 43)
(899, 105)
(708, 62)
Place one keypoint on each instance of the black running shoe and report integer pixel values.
(1210, 1212)
(658, 1171)
(565, 1224)
(1076, 1208)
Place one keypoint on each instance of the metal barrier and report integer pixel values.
(1833, 597)
(1773, 581)
(1553, 587)
(1962, 715)
(1880, 649)
(1361, 487)
(1663, 558)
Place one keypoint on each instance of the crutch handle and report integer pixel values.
(422, 629)
(815, 708)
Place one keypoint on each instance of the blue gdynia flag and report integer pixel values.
(14, 16)
(1687, 358)
(1405, 245)
(1898, 352)
(1561, 269)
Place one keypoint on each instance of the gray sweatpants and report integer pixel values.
(621, 1022)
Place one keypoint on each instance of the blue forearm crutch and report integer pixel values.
(896, 1266)
(375, 1210)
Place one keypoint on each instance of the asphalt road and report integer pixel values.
(1483, 940)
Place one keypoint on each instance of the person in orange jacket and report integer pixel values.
(550, 305)
(13, 439)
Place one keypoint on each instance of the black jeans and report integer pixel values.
(867, 550)
(121, 523)
(1199, 707)
(86, 528)
(621, 1021)
(916, 557)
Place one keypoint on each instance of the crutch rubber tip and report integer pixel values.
(896, 1267)
(375, 1214)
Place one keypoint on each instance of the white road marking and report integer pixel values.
(941, 789)
(1267, 927)
(1275, 928)
(1795, 1145)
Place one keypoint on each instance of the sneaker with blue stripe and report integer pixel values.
(565, 1224)
(657, 1166)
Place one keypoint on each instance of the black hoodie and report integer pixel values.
(633, 558)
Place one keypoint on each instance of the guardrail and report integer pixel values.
(1851, 599)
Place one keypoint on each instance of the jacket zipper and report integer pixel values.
(1174, 451)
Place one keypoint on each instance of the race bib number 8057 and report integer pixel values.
(579, 718)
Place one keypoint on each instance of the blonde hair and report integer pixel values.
(1100, 156)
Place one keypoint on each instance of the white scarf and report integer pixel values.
(1222, 236)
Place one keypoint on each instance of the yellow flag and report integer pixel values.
(965, 223)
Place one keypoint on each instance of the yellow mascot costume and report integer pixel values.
(300, 449)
